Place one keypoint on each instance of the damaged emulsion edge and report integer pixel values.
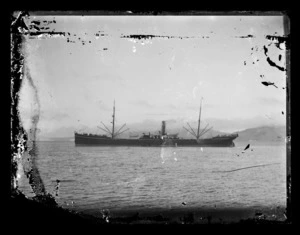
(21, 141)
(286, 24)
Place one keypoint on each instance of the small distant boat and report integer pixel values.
(155, 140)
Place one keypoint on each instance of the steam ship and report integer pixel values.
(155, 140)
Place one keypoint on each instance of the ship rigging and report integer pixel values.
(112, 132)
(199, 133)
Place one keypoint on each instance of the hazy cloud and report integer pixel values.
(103, 107)
(171, 106)
(56, 116)
(271, 101)
(142, 103)
(156, 114)
(106, 76)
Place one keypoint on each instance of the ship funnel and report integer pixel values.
(163, 128)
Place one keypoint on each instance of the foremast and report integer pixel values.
(112, 132)
(198, 134)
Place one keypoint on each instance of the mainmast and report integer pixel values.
(199, 131)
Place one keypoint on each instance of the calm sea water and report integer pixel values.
(133, 178)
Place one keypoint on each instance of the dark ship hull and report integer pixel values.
(99, 140)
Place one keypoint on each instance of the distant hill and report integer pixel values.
(263, 134)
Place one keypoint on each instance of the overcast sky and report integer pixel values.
(79, 75)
